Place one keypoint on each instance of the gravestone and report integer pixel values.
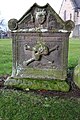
(40, 49)
(76, 76)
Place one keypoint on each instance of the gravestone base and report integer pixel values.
(77, 75)
(25, 84)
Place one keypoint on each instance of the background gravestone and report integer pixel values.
(40, 49)
(77, 74)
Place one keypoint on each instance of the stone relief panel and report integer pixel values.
(40, 19)
(40, 54)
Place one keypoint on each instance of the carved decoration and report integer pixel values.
(12, 24)
(42, 19)
(38, 51)
(69, 25)
(40, 15)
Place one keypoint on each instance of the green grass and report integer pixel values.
(74, 52)
(5, 56)
(16, 105)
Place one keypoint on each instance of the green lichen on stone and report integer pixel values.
(69, 25)
(44, 73)
(54, 30)
(77, 75)
(37, 84)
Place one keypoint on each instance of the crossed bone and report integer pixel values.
(36, 55)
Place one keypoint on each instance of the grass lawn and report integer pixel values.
(5, 56)
(74, 52)
(18, 105)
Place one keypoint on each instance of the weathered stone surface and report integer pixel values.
(38, 84)
(40, 48)
(1, 82)
(12, 24)
(52, 65)
(77, 75)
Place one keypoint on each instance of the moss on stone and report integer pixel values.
(43, 73)
(37, 84)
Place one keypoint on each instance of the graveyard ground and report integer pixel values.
(17, 104)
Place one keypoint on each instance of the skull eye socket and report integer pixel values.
(35, 51)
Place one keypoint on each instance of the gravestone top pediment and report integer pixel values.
(40, 18)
